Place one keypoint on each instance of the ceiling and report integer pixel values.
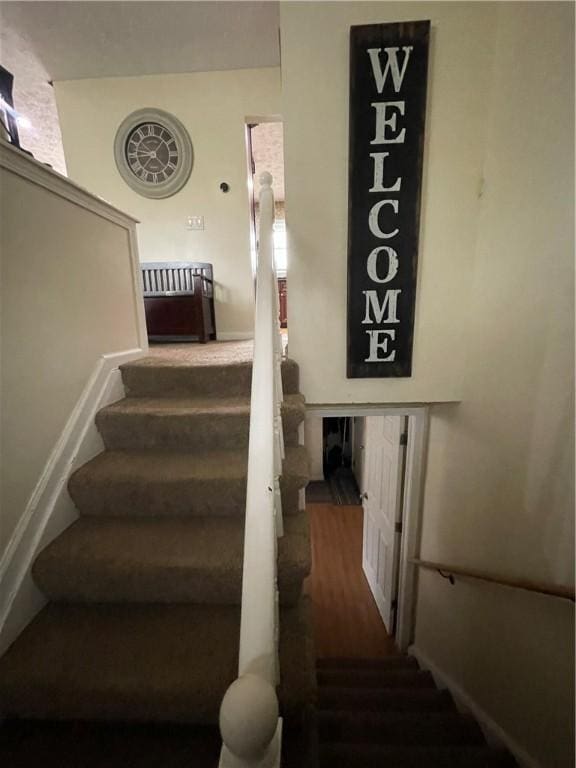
(77, 40)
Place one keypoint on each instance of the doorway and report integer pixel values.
(265, 152)
(338, 484)
(362, 583)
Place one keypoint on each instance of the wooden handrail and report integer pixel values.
(553, 590)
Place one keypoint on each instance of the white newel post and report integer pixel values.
(250, 725)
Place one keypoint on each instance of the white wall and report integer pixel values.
(499, 491)
(315, 107)
(213, 107)
(67, 296)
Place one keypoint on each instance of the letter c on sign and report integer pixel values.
(373, 219)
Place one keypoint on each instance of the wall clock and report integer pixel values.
(153, 153)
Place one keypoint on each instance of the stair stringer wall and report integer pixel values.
(495, 735)
(50, 509)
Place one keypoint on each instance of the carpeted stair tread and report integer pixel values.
(387, 713)
(188, 424)
(53, 744)
(143, 625)
(375, 678)
(148, 663)
(163, 377)
(176, 483)
(350, 662)
(399, 728)
(380, 700)
(163, 560)
(376, 756)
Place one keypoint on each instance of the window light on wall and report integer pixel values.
(280, 255)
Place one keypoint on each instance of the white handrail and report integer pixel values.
(249, 722)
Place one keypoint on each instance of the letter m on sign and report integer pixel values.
(388, 78)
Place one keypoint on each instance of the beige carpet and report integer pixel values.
(144, 589)
(212, 353)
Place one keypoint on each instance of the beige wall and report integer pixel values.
(66, 298)
(494, 326)
(213, 107)
(315, 108)
(499, 491)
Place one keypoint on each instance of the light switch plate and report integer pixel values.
(195, 222)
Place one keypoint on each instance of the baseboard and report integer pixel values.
(234, 335)
(495, 735)
(49, 509)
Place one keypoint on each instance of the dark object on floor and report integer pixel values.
(337, 449)
(339, 489)
(343, 487)
(179, 300)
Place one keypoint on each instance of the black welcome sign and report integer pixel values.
(388, 75)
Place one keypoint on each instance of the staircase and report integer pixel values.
(129, 661)
(387, 713)
(142, 623)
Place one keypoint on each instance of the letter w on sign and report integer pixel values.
(388, 77)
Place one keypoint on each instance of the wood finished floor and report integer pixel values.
(346, 620)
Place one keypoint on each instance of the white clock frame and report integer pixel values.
(185, 153)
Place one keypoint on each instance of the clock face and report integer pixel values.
(153, 153)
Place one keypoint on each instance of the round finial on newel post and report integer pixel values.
(265, 179)
(249, 717)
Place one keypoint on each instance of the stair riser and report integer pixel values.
(375, 679)
(362, 756)
(415, 730)
(162, 708)
(101, 585)
(137, 560)
(360, 664)
(395, 700)
(218, 381)
(194, 433)
(182, 498)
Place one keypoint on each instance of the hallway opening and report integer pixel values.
(363, 503)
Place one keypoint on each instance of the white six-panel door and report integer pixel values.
(382, 502)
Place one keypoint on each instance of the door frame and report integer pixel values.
(412, 500)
